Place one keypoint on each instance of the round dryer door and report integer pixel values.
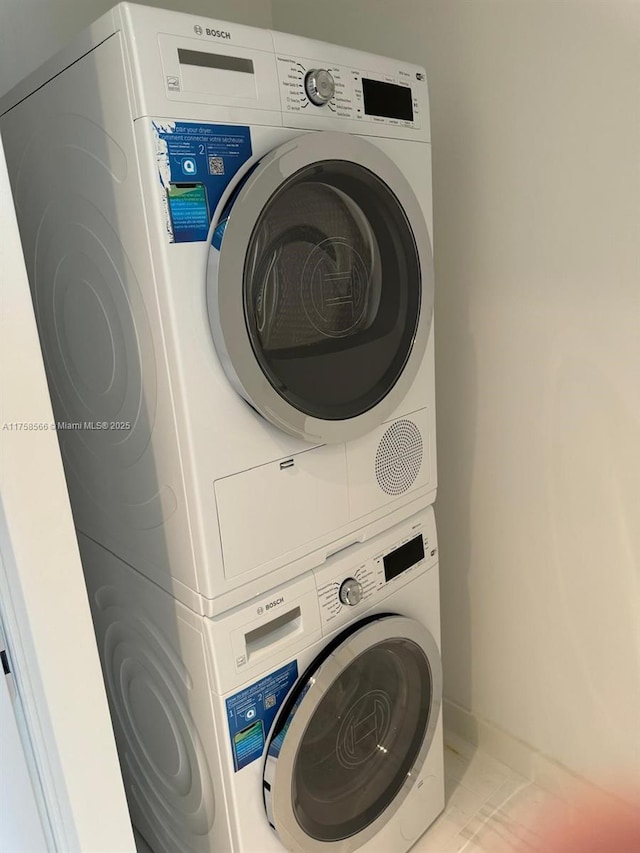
(351, 739)
(320, 287)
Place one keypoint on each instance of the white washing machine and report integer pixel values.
(306, 720)
(227, 232)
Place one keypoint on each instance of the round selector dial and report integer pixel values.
(319, 86)
(351, 592)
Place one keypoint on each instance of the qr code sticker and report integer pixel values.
(216, 166)
(269, 702)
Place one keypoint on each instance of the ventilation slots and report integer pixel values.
(399, 457)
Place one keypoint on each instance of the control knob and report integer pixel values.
(351, 592)
(319, 86)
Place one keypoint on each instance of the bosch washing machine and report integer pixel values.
(227, 234)
(308, 719)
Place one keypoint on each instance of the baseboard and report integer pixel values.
(516, 754)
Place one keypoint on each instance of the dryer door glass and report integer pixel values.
(354, 734)
(320, 285)
(332, 290)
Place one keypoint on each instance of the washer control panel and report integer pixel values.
(348, 583)
(350, 93)
(350, 592)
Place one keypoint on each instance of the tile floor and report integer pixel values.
(489, 808)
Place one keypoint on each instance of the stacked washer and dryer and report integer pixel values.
(227, 232)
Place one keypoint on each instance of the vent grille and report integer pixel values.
(399, 457)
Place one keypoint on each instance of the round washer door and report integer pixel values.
(320, 292)
(351, 739)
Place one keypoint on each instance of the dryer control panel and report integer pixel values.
(350, 93)
(385, 562)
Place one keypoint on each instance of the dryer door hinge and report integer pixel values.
(5, 662)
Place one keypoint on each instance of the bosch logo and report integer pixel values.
(419, 76)
(218, 34)
(260, 611)
(198, 30)
(275, 603)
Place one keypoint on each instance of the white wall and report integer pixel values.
(59, 696)
(536, 137)
(33, 30)
(22, 824)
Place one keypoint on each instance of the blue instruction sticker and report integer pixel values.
(196, 162)
(276, 744)
(251, 713)
(189, 211)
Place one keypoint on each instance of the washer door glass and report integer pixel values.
(353, 735)
(332, 290)
(362, 741)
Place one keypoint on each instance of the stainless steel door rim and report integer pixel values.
(225, 283)
(283, 752)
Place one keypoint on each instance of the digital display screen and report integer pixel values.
(403, 558)
(214, 60)
(189, 209)
(387, 100)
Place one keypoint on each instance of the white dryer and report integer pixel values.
(307, 720)
(227, 232)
